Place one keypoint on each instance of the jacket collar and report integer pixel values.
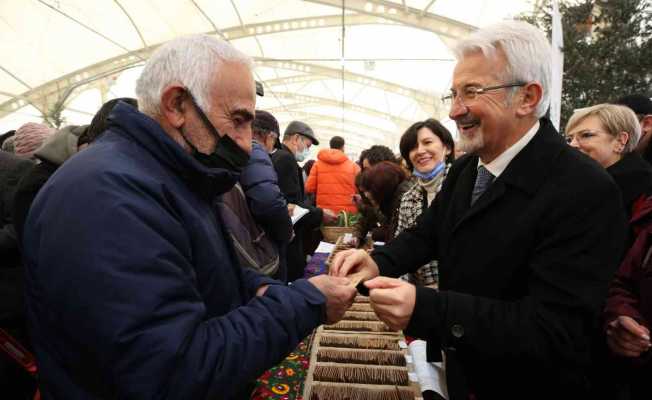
(633, 175)
(530, 168)
(286, 148)
(146, 132)
(332, 156)
(527, 171)
(500, 163)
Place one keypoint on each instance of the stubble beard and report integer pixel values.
(471, 144)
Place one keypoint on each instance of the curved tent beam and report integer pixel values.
(49, 94)
(368, 130)
(448, 29)
(426, 100)
(303, 99)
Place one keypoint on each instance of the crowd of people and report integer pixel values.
(157, 251)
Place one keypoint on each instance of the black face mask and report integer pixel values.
(227, 154)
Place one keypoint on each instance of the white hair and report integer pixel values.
(526, 49)
(190, 61)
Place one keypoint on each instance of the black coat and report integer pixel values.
(523, 272)
(290, 181)
(12, 169)
(12, 378)
(633, 175)
(26, 192)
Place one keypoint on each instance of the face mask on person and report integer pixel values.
(227, 154)
(430, 175)
(303, 154)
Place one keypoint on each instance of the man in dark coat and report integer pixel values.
(259, 181)
(297, 140)
(13, 379)
(12, 169)
(132, 288)
(527, 232)
(56, 149)
(641, 104)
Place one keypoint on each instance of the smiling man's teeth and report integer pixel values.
(468, 126)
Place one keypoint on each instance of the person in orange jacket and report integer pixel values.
(332, 178)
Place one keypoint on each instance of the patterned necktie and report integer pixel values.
(482, 182)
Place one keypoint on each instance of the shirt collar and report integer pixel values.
(500, 163)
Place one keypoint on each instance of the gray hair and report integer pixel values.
(527, 51)
(189, 61)
(614, 118)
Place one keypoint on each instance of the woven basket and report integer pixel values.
(331, 233)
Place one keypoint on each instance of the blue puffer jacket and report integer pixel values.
(266, 202)
(132, 289)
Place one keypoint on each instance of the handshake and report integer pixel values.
(392, 300)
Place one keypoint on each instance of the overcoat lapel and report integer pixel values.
(526, 172)
(461, 199)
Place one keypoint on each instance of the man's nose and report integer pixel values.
(457, 109)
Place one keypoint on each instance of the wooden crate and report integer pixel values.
(353, 356)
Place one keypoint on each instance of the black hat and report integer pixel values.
(302, 129)
(639, 103)
(266, 122)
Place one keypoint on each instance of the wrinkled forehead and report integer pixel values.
(234, 83)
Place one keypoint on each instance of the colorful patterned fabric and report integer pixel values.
(285, 381)
(411, 207)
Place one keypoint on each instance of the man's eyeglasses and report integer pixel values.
(469, 93)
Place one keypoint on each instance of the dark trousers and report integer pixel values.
(296, 259)
(245, 392)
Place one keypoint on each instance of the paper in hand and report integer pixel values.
(298, 213)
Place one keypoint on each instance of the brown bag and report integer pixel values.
(253, 248)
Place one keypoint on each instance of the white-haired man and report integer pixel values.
(527, 232)
(132, 288)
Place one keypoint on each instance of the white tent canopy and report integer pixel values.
(361, 69)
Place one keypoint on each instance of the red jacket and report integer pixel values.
(332, 178)
(630, 292)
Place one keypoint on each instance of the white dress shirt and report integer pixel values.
(500, 163)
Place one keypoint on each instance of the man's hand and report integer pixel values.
(352, 261)
(339, 295)
(627, 338)
(291, 209)
(392, 300)
(328, 216)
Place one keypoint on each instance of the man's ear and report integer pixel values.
(530, 97)
(173, 105)
(646, 125)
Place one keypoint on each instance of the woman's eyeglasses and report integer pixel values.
(582, 136)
